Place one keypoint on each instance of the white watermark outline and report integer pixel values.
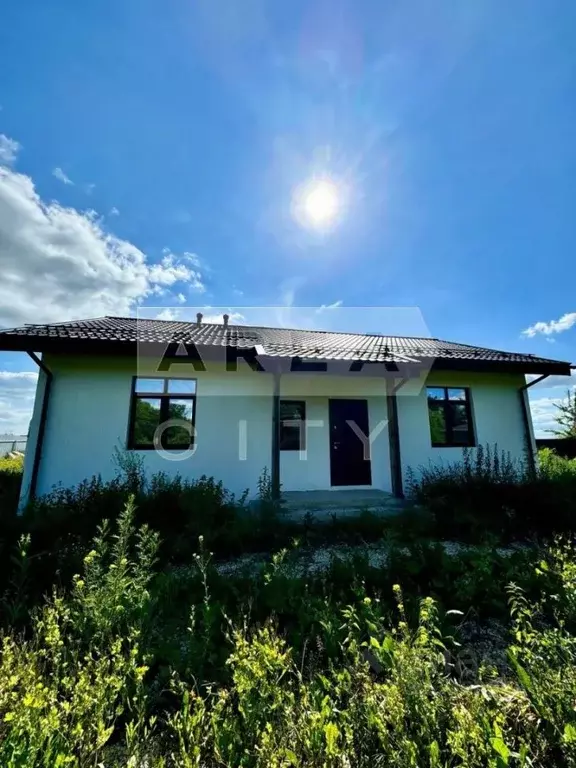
(172, 454)
(176, 455)
(188, 350)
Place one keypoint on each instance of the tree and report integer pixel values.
(566, 416)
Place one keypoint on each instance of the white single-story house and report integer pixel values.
(322, 411)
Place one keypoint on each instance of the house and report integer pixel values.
(321, 411)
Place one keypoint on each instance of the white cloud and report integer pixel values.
(553, 382)
(9, 149)
(543, 406)
(114, 211)
(544, 411)
(235, 317)
(18, 376)
(188, 314)
(170, 270)
(59, 264)
(89, 188)
(544, 414)
(181, 298)
(554, 326)
(17, 389)
(61, 176)
(325, 307)
(192, 258)
(179, 313)
(168, 313)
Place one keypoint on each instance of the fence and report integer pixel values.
(9, 444)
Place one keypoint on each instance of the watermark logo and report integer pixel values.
(252, 356)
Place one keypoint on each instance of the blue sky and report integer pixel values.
(151, 152)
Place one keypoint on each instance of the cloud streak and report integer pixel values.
(564, 323)
(544, 414)
(9, 149)
(325, 307)
(59, 174)
(17, 390)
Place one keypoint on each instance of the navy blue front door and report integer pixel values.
(349, 453)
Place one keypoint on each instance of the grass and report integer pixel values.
(123, 644)
(296, 673)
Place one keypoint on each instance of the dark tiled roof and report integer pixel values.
(116, 333)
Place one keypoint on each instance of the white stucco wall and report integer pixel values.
(89, 412)
(311, 470)
(90, 403)
(496, 413)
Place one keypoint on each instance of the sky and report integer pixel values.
(151, 156)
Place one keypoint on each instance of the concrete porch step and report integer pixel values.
(340, 502)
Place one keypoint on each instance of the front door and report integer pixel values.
(348, 463)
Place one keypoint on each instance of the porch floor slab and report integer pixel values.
(340, 502)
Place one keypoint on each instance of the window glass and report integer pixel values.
(182, 386)
(291, 410)
(460, 427)
(146, 420)
(437, 423)
(292, 426)
(176, 400)
(149, 385)
(181, 410)
(456, 394)
(449, 415)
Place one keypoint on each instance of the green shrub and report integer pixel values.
(12, 464)
(489, 493)
(64, 690)
(63, 522)
(11, 468)
(10, 526)
(187, 667)
(389, 699)
(553, 466)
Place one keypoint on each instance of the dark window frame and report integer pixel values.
(302, 432)
(445, 404)
(165, 397)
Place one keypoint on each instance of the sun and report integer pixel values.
(321, 202)
(318, 203)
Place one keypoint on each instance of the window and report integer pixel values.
(156, 401)
(450, 416)
(292, 425)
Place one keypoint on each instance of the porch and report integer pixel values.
(340, 503)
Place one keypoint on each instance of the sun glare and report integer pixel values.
(318, 203)
(321, 202)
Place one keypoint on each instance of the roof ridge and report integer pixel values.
(277, 328)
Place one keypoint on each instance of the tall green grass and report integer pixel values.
(314, 680)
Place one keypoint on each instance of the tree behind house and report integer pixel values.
(566, 416)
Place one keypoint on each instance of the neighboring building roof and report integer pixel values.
(121, 334)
